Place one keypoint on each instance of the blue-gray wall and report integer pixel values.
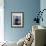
(43, 6)
(29, 7)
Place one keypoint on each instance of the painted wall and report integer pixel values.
(29, 7)
(43, 6)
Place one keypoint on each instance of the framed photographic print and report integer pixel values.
(17, 19)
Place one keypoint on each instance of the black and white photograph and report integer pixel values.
(17, 19)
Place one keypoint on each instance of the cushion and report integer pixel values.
(20, 42)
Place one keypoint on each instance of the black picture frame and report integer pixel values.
(17, 19)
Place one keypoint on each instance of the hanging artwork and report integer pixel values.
(17, 19)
